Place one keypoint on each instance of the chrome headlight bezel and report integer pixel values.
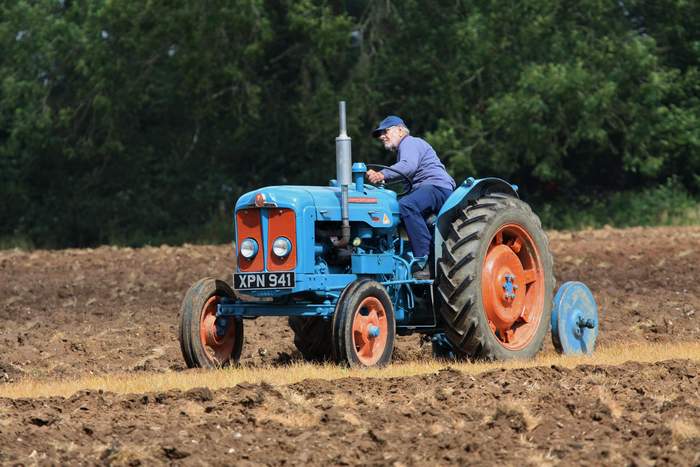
(249, 248)
(281, 247)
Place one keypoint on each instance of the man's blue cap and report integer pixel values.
(391, 120)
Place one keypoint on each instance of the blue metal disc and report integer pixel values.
(574, 319)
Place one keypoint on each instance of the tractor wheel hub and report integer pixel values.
(503, 273)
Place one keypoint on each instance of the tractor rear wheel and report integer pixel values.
(495, 280)
(202, 342)
(364, 329)
(312, 337)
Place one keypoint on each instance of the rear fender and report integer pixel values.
(469, 190)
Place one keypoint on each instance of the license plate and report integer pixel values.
(264, 280)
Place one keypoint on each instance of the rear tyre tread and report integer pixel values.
(470, 221)
(472, 236)
(475, 207)
(461, 263)
(463, 285)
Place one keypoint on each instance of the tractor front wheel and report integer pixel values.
(495, 280)
(364, 329)
(205, 340)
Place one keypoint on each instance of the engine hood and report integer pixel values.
(375, 206)
(287, 196)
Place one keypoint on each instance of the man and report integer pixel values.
(431, 183)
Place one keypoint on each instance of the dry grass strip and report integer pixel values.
(127, 383)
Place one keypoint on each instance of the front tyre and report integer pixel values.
(495, 280)
(364, 328)
(204, 342)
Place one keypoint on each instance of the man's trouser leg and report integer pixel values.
(414, 208)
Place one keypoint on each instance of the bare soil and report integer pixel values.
(71, 313)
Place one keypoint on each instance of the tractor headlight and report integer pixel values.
(249, 248)
(281, 247)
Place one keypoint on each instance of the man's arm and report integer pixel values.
(409, 156)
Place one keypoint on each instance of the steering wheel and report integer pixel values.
(404, 179)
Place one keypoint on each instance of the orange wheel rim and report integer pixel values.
(218, 348)
(512, 286)
(369, 331)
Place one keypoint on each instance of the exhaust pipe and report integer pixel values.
(343, 163)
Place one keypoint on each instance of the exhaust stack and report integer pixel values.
(343, 150)
(343, 162)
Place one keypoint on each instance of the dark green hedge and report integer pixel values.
(124, 120)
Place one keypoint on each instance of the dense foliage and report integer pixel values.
(123, 120)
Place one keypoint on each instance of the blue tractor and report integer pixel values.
(336, 261)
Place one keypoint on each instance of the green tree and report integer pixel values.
(124, 120)
(565, 95)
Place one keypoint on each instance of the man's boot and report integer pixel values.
(420, 269)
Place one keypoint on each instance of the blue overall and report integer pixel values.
(415, 208)
(431, 187)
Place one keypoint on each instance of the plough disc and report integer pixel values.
(574, 319)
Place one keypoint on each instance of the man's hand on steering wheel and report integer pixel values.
(374, 176)
(378, 177)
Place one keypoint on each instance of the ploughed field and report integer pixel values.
(74, 313)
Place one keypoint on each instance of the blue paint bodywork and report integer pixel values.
(574, 319)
